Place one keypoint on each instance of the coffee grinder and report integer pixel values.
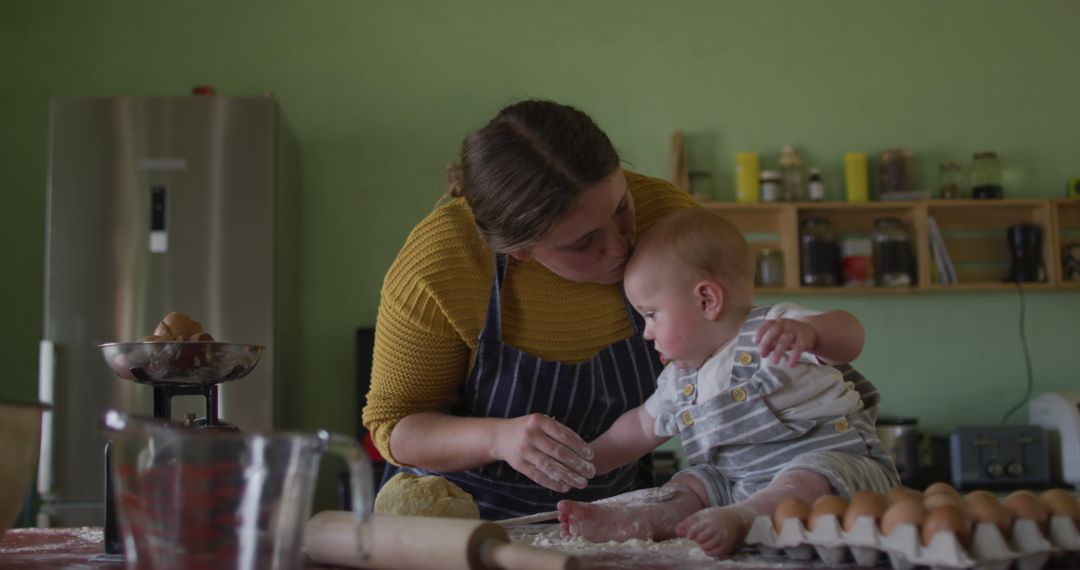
(181, 368)
(1025, 250)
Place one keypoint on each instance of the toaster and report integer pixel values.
(1059, 415)
(999, 457)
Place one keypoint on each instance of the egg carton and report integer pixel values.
(1028, 549)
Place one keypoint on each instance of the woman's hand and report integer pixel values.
(781, 336)
(545, 451)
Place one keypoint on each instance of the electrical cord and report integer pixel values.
(1027, 360)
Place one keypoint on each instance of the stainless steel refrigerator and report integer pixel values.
(157, 204)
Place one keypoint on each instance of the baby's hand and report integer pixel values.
(779, 337)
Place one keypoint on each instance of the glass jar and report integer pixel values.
(986, 175)
(819, 254)
(771, 189)
(950, 181)
(791, 174)
(770, 268)
(701, 186)
(896, 171)
(892, 253)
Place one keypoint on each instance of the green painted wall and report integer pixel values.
(380, 94)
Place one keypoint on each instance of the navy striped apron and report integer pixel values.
(587, 397)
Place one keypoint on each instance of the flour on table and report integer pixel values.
(640, 554)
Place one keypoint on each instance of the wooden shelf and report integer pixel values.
(973, 231)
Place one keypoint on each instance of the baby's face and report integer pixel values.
(674, 318)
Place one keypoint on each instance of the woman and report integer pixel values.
(504, 341)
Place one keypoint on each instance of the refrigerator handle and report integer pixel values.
(46, 394)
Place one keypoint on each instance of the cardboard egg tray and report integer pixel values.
(1028, 548)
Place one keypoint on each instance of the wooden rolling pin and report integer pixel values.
(425, 543)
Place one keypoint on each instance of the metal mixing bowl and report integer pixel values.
(188, 362)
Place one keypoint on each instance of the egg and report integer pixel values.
(1025, 505)
(984, 507)
(790, 508)
(940, 488)
(864, 504)
(900, 492)
(1061, 503)
(827, 505)
(909, 510)
(932, 502)
(948, 518)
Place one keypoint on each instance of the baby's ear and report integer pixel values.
(710, 296)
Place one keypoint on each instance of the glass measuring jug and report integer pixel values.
(199, 498)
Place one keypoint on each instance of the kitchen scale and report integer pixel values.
(188, 368)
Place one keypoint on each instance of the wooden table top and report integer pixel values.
(81, 548)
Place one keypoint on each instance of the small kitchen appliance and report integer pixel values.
(900, 437)
(189, 368)
(999, 457)
(1059, 415)
(1025, 249)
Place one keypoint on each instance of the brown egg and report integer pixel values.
(1025, 505)
(1061, 503)
(790, 508)
(948, 518)
(909, 510)
(941, 488)
(864, 504)
(901, 492)
(154, 338)
(932, 502)
(984, 507)
(827, 505)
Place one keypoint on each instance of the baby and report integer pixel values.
(763, 408)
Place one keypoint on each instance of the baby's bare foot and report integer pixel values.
(719, 531)
(601, 523)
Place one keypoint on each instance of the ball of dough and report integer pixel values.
(406, 494)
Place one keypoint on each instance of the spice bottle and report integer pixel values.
(701, 185)
(791, 173)
(747, 177)
(857, 251)
(856, 177)
(950, 181)
(771, 189)
(815, 188)
(770, 268)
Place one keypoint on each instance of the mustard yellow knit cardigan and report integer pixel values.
(434, 299)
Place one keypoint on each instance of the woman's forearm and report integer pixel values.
(441, 442)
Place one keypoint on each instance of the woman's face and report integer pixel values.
(591, 243)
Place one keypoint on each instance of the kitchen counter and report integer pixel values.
(80, 548)
(72, 548)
